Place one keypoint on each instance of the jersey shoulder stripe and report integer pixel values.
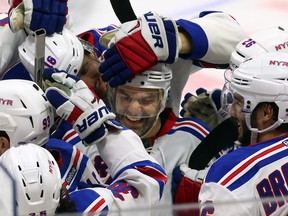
(197, 128)
(88, 200)
(3, 19)
(243, 163)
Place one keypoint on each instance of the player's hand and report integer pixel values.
(206, 106)
(186, 184)
(80, 107)
(37, 14)
(137, 46)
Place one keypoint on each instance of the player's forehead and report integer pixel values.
(132, 90)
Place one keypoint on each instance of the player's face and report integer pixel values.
(138, 108)
(90, 74)
(235, 111)
(4, 145)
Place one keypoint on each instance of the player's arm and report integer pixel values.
(9, 43)
(217, 200)
(211, 37)
(137, 177)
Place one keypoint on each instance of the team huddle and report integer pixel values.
(105, 132)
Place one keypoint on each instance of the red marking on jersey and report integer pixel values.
(65, 184)
(69, 135)
(77, 156)
(152, 173)
(251, 160)
(97, 206)
(195, 125)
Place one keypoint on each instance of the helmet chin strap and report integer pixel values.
(256, 131)
(145, 135)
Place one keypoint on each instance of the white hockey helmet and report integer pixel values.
(63, 51)
(263, 78)
(37, 179)
(25, 113)
(272, 39)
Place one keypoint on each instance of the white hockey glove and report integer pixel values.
(37, 14)
(137, 46)
(206, 106)
(80, 107)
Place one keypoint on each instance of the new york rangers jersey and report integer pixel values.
(137, 179)
(251, 180)
(77, 171)
(174, 145)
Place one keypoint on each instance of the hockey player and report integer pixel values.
(207, 40)
(39, 190)
(257, 171)
(209, 107)
(197, 43)
(138, 180)
(27, 117)
(140, 106)
(206, 107)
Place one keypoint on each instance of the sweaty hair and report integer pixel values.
(4, 134)
(66, 205)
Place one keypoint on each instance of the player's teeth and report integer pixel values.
(133, 118)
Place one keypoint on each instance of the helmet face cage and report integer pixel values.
(37, 178)
(267, 40)
(63, 51)
(25, 113)
(263, 78)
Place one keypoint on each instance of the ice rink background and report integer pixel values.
(253, 15)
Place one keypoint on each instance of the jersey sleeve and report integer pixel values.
(217, 200)
(215, 35)
(93, 37)
(9, 43)
(77, 171)
(137, 178)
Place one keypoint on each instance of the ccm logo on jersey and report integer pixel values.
(6, 102)
(92, 118)
(274, 187)
(154, 29)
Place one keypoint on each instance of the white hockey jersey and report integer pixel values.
(174, 145)
(137, 179)
(236, 182)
